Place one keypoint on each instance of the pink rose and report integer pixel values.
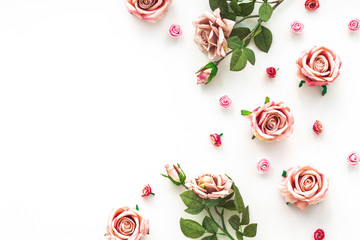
(147, 191)
(312, 5)
(206, 73)
(271, 72)
(175, 31)
(354, 25)
(297, 27)
(353, 158)
(304, 186)
(318, 127)
(175, 174)
(319, 234)
(263, 166)
(211, 186)
(149, 10)
(215, 139)
(126, 223)
(272, 122)
(225, 101)
(319, 66)
(211, 32)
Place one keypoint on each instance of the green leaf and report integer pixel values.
(247, 8)
(222, 4)
(250, 55)
(209, 225)
(191, 200)
(238, 60)
(212, 202)
(245, 112)
(229, 15)
(191, 229)
(231, 194)
(241, 32)
(324, 91)
(230, 205)
(211, 237)
(301, 83)
(194, 211)
(245, 218)
(250, 230)
(265, 11)
(234, 221)
(258, 30)
(264, 39)
(239, 235)
(235, 7)
(239, 203)
(234, 42)
(267, 99)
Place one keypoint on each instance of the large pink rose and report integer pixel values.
(150, 10)
(211, 186)
(211, 30)
(319, 66)
(304, 186)
(272, 122)
(126, 224)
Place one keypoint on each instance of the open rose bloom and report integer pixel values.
(149, 10)
(271, 122)
(304, 186)
(126, 224)
(211, 32)
(212, 186)
(319, 66)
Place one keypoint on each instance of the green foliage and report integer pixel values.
(250, 230)
(191, 200)
(234, 221)
(241, 32)
(265, 11)
(264, 39)
(239, 203)
(267, 99)
(234, 42)
(245, 218)
(230, 205)
(238, 60)
(250, 55)
(245, 112)
(191, 228)
(209, 225)
(222, 4)
(247, 8)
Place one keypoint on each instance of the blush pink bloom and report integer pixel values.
(312, 5)
(211, 31)
(319, 234)
(215, 139)
(126, 223)
(271, 72)
(212, 186)
(354, 25)
(175, 31)
(353, 158)
(304, 186)
(263, 166)
(175, 173)
(206, 73)
(319, 66)
(146, 191)
(225, 101)
(297, 27)
(318, 127)
(149, 10)
(272, 122)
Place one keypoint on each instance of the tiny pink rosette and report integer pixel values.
(354, 25)
(175, 31)
(297, 27)
(225, 101)
(353, 158)
(318, 127)
(263, 166)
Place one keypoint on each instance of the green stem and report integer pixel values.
(222, 229)
(221, 217)
(247, 17)
(183, 184)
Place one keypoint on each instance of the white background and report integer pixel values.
(94, 102)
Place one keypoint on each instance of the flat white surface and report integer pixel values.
(94, 102)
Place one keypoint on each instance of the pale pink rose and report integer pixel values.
(312, 5)
(211, 31)
(319, 66)
(353, 158)
(126, 224)
(149, 10)
(263, 166)
(211, 186)
(354, 25)
(297, 27)
(175, 173)
(304, 186)
(272, 122)
(225, 101)
(206, 73)
(175, 31)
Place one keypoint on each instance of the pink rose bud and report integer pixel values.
(225, 101)
(175, 31)
(319, 234)
(147, 191)
(353, 158)
(175, 174)
(271, 72)
(354, 25)
(215, 139)
(206, 73)
(312, 5)
(297, 27)
(318, 127)
(263, 166)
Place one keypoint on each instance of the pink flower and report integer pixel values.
(225, 101)
(319, 66)
(206, 73)
(263, 166)
(149, 10)
(318, 127)
(271, 122)
(304, 186)
(147, 191)
(271, 72)
(211, 31)
(175, 174)
(297, 27)
(353, 158)
(215, 139)
(175, 31)
(319, 234)
(354, 25)
(211, 186)
(126, 223)
(312, 5)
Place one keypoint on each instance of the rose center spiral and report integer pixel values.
(125, 226)
(321, 64)
(146, 4)
(307, 183)
(272, 123)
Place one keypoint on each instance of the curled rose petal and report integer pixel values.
(211, 186)
(225, 101)
(297, 27)
(353, 158)
(318, 127)
(263, 166)
(354, 25)
(319, 234)
(271, 72)
(312, 5)
(149, 10)
(175, 31)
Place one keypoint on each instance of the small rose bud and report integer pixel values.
(147, 191)
(215, 139)
(297, 27)
(225, 101)
(318, 127)
(175, 174)
(271, 72)
(206, 73)
(319, 234)
(263, 166)
(354, 25)
(353, 158)
(175, 31)
(312, 5)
